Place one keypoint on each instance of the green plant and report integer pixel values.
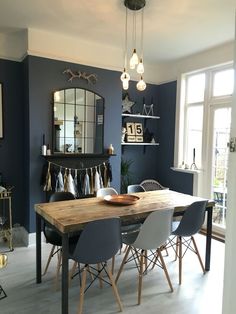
(126, 174)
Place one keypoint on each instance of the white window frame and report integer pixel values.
(180, 128)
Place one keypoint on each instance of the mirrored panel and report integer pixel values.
(78, 116)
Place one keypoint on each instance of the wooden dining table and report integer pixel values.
(70, 216)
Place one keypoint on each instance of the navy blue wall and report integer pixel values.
(12, 145)
(156, 161)
(27, 96)
(177, 181)
(45, 76)
(144, 164)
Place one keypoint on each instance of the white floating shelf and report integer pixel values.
(141, 144)
(139, 116)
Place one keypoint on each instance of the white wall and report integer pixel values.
(229, 300)
(14, 46)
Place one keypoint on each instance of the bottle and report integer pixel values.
(48, 150)
(44, 147)
(110, 150)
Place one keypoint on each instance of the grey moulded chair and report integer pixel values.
(53, 237)
(152, 185)
(135, 188)
(184, 230)
(124, 228)
(129, 228)
(146, 245)
(99, 241)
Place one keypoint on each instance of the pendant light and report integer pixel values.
(141, 85)
(134, 58)
(135, 61)
(140, 67)
(125, 77)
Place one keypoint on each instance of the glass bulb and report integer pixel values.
(141, 85)
(140, 67)
(125, 84)
(125, 76)
(133, 60)
(131, 64)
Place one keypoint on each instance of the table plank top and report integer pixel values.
(68, 216)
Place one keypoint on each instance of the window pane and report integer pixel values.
(194, 135)
(195, 88)
(223, 83)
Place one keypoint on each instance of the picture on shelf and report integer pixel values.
(134, 132)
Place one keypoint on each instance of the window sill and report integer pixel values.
(186, 170)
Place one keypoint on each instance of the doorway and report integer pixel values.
(221, 121)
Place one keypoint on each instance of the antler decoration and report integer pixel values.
(90, 78)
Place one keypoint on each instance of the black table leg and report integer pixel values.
(64, 290)
(208, 238)
(38, 250)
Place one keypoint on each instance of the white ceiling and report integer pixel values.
(172, 29)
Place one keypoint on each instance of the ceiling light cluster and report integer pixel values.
(135, 61)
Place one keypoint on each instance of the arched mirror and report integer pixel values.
(78, 116)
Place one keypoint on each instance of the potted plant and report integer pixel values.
(126, 174)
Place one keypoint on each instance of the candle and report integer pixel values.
(194, 153)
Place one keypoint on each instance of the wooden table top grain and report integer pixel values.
(68, 216)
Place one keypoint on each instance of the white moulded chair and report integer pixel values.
(106, 191)
(146, 245)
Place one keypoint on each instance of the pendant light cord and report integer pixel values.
(126, 31)
(142, 34)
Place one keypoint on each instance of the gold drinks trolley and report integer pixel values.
(6, 218)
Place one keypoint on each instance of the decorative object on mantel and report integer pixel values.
(44, 147)
(79, 182)
(193, 165)
(90, 78)
(127, 104)
(110, 150)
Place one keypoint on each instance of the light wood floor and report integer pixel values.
(198, 294)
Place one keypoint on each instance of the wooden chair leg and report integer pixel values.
(125, 249)
(145, 261)
(113, 264)
(58, 269)
(81, 299)
(90, 273)
(100, 275)
(114, 288)
(49, 259)
(165, 269)
(180, 260)
(122, 264)
(140, 281)
(198, 255)
(177, 248)
(71, 273)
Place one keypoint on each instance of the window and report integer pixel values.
(200, 91)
